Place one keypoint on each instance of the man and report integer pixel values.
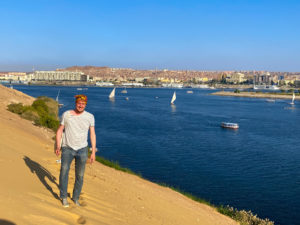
(76, 124)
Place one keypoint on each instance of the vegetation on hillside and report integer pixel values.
(243, 217)
(43, 112)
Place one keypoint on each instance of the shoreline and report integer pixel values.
(222, 87)
(255, 95)
(188, 86)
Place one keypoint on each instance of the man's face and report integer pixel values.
(80, 105)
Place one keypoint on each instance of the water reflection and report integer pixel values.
(112, 100)
(173, 108)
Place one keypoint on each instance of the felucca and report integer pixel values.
(57, 95)
(293, 99)
(112, 93)
(59, 104)
(173, 98)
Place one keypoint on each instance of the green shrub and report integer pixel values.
(236, 91)
(40, 107)
(49, 121)
(30, 114)
(17, 108)
(43, 111)
(51, 104)
(242, 216)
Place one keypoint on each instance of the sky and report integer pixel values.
(165, 34)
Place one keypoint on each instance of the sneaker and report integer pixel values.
(65, 203)
(76, 202)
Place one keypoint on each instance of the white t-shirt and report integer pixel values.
(76, 129)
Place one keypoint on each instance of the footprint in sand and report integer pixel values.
(81, 220)
(83, 204)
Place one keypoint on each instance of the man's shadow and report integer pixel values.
(41, 173)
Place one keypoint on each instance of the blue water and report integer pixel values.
(255, 168)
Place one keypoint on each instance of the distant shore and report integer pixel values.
(242, 88)
(256, 95)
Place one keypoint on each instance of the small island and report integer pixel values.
(259, 94)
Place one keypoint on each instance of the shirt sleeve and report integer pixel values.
(62, 120)
(92, 122)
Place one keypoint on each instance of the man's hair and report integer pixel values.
(81, 97)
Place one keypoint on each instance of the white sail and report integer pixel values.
(173, 98)
(293, 98)
(59, 104)
(112, 93)
(57, 96)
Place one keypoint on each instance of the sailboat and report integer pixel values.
(112, 93)
(293, 98)
(59, 104)
(57, 96)
(173, 98)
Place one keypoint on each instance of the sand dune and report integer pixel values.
(29, 185)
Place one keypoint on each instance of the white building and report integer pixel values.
(59, 76)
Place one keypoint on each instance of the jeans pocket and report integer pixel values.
(83, 153)
(65, 149)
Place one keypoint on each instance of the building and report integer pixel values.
(235, 78)
(297, 83)
(14, 77)
(288, 81)
(262, 79)
(59, 76)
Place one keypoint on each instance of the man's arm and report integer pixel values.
(58, 139)
(93, 142)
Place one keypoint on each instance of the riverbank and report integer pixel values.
(29, 184)
(256, 95)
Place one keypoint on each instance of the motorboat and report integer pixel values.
(230, 125)
(270, 100)
(124, 91)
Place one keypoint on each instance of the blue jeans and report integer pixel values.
(67, 156)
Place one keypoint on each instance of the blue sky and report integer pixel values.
(183, 35)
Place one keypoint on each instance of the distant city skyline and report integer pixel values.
(175, 35)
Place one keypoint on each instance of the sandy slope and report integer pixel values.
(29, 185)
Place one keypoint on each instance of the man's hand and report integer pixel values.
(93, 156)
(57, 151)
